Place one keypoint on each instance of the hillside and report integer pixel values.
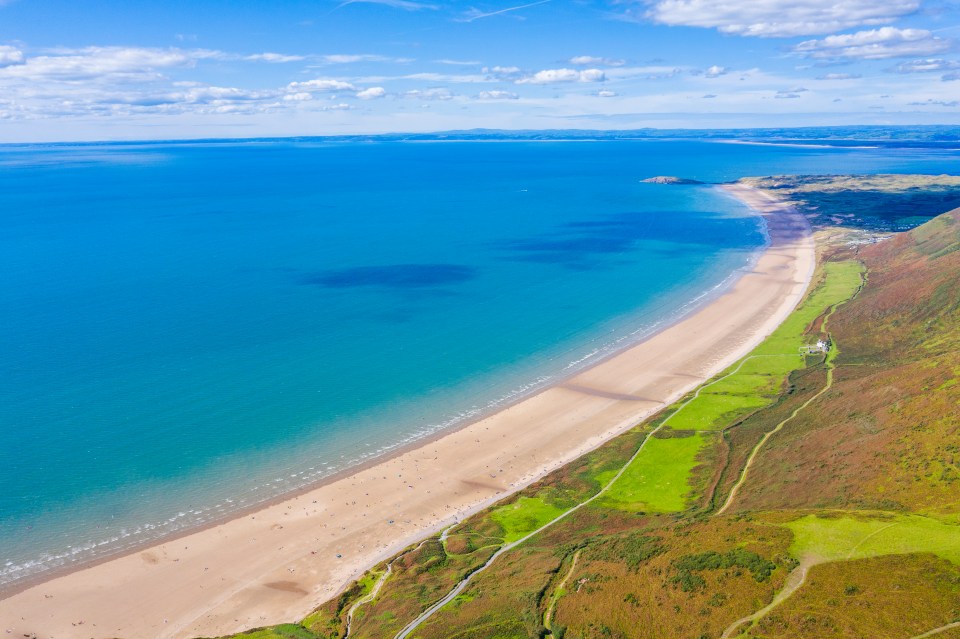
(801, 493)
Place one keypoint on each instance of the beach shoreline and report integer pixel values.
(279, 561)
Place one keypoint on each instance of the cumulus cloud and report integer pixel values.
(504, 73)
(551, 76)
(875, 44)
(590, 60)
(298, 97)
(372, 93)
(775, 18)
(606, 94)
(926, 65)
(10, 56)
(497, 95)
(715, 71)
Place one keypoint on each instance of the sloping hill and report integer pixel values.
(814, 496)
(886, 436)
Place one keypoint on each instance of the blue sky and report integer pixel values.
(159, 69)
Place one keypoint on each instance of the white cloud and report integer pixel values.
(606, 94)
(320, 85)
(218, 95)
(372, 93)
(551, 76)
(715, 71)
(274, 58)
(592, 75)
(10, 56)
(927, 65)
(777, 18)
(429, 94)
(876, 44)
(497, 95)
(298, 97)
(840, 76)
(646, 73)
(459, 63)
(589, 60)
(350, 58)
(502, 73)
(90, 63)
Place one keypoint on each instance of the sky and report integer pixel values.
(162, 69)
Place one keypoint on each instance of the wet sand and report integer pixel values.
(276, 564)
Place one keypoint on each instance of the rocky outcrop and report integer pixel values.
(668, 179)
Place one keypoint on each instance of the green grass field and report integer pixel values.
(524, 516)
(842, 538)
(658, 480)
(758, 379)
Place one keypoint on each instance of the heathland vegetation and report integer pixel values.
(807, 491)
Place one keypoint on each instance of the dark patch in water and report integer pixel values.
(592, 244)
(394, 276)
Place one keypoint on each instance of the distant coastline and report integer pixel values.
(931, 136)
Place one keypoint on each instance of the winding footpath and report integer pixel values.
(370, 596)
(798, 575)
(795, 579)
(555, 597)
(834, 351)
(435, 608)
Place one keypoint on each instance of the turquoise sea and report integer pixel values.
(194, 328)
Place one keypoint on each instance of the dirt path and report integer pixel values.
(555, 597)
(831, 356)
(937, 631)
(435, 608)
(370, 596)
(798, 575)
(795, 579)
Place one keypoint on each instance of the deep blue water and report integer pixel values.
(190, 328)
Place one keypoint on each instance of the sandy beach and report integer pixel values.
(280, 562)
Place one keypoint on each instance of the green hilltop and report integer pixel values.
(800, 493)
